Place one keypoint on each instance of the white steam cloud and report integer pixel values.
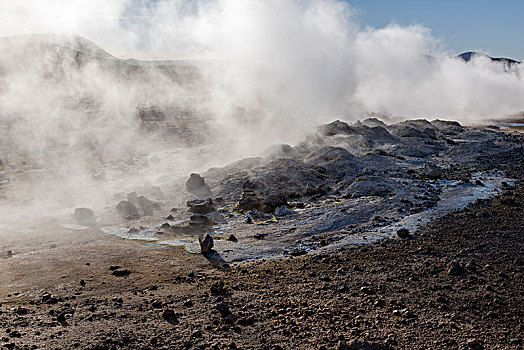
(307, 61)
(268, 71)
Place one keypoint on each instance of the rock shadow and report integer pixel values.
(216, 260)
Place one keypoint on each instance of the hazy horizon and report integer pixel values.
(157, 30)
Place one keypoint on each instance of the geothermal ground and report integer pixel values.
(363, 236)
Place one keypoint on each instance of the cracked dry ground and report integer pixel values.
(457, 284)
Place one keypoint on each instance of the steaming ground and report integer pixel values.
(344, 184)
(81, 128)
(455, 283)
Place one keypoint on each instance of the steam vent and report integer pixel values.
(258, 174)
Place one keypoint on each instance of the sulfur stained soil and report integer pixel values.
(456, 284)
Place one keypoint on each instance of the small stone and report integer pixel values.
(169, 315)
(455, 269)
(82, 283)
(123, 272)
(114, 267)
(396, 313)
(223, 309)
(196, 334)
(379, 303)
(218, 288)
(283, 210)
(21, 310)
(366, 290)
(61, 317)
(165, 226)
(403, 233)
(232, 238)
(474, 344)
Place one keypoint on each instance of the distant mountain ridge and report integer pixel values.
(468, 56)
(71, 42)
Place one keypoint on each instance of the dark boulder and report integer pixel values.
(407, 131)
(195, 182)
(274, 201)
(199, 206)
(196, 185)
(336, 128)
(250, 200)
(403, 233)
(431, 133)
(206, 243)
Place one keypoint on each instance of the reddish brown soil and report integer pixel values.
(457, 284)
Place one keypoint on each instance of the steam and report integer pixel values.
(268, 71)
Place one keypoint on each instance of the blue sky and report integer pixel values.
(495, 27)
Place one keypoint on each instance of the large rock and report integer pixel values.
(330, 155)
(84, 216)
(250, 200)
(146, 205)
(274, 201)
(372, 122)
(407, 131)
(196, 185)
(206, 243)
(201, 206)
(336, 128)
(195, 182)
(127, 210)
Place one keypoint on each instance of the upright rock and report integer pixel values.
(196, 185)
(206, 243)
